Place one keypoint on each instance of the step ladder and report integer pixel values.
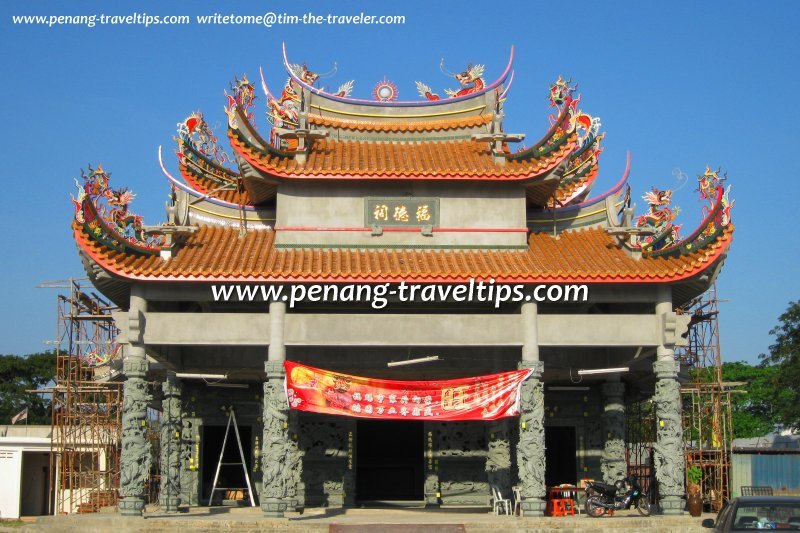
(220, 464)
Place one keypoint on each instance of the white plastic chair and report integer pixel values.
(517, 492)
(500, 504)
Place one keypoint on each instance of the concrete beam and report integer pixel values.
(237, 329)
(309, 329)
(599, 330)
(192, 292)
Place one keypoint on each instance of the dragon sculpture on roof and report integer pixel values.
(104, 213)
(471, 81)
(196, 132)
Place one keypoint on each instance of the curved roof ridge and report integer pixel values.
(398, 103)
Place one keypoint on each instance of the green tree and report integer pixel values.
(19, 374)
(752, 413)
(784, 354)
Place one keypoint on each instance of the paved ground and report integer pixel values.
(406, 520)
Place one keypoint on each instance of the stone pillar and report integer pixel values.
(530, 448)
(498, 456)
(171, 430)
(135, 454)
(669, 453)
(613, 464)
(281, 465)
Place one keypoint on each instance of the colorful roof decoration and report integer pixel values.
(385, 91)
(401, 126)
(224, 207)
(665, 240)
(102, 214)
(471, 81)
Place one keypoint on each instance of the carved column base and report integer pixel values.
(169, 505)
(336, 500)
(296, 503)
(432, 492)
(672, 505)
(533, 507)
(274, 507)
(131, 506)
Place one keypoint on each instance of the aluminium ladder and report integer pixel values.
(214, 488)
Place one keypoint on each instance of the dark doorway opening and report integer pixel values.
(231, 476)
(560, 454)
(35, 496)
(390, 459)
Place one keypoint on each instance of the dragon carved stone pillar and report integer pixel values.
(498, 456)
(280, 455)
(171, 428)
(135, 454)
(135, 457)
(530, 448)
(669, 457)
(613, 464)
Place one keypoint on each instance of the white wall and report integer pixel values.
(10, 474)
(11, 450)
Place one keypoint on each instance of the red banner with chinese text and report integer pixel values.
(478, 398)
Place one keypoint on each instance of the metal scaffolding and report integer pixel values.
(707, 426)
(86, 403)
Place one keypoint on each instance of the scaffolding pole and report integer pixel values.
(707, 425)
(86, 403)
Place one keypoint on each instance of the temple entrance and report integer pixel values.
(560, 453)
(230, 475)
(390, 459)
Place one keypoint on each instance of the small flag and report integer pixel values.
(22, 415)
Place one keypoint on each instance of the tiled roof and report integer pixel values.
(398, 127)
(384, 160)
(218, 254)
(207, 186)
(566, 191)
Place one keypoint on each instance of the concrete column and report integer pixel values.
(530, 448)
(669, 453)
(281, 464)
(613, 464)
(277, 320)
(135, 454)
(530, 331)
(171, 429)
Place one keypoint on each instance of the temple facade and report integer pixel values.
(303, 243)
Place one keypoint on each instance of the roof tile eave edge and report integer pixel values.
(495, 175)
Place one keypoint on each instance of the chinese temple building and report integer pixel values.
(340, 201)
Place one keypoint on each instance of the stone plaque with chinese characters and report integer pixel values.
(411, 212)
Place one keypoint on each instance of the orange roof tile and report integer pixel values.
(398, 127)
(205, 185)
(422, 160)
(218, 254)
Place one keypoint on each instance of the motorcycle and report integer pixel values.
(602, 498)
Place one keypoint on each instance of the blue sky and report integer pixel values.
(678, 84)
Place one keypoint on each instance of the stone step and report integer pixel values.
(361, 521)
